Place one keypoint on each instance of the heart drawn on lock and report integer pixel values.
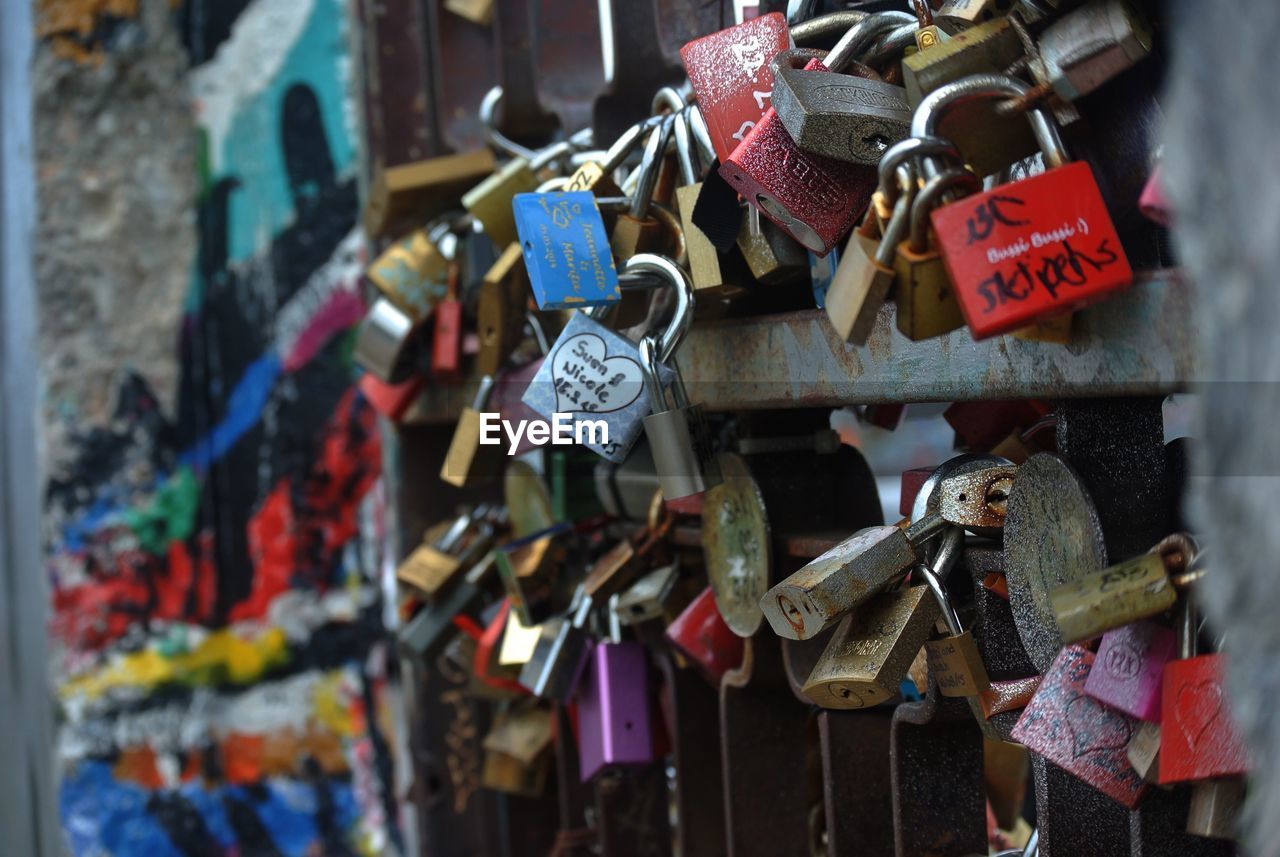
(587, 380)
(1198, 708)
(1100, 729)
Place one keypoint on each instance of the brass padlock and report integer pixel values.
(872, 649)
(926, 303)
(1215, 808)
(517, 758)
(432, 565)
(704, 263)
(636, 230)
(1144, 751)
(954, 659)
(773, 256)
(467, 459)
(476, 11)
(532, 570)
(414, 193)
(411, 273)
(1124, 593)
(490, 201)
(500, 311)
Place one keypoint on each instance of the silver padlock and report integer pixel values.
(553, 670)
(1091, 45)
(850, 117)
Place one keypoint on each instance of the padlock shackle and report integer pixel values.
(647, 173)
(626, 144)
(648, 347)
(550, 153)
(488, 119)
(685, 155)
(898, 222)
(701, 134)
(936, 573)
(824, 27)
(908, 150)
(668, 99)
(862, 35)
(930, 196)
(980, 87)
(891, 45)
(682, 315)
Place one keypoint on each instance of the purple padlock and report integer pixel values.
(1129, 671)
(613, 708)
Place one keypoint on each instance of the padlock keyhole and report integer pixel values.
(878, 142)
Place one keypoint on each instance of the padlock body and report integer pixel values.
(1091, 45)
(814, 597)
(772, 256)
(841, 116)
(591, 177)
(1215, 808)
(731, 72)
(613, 709)
(682, 452)
(957, 665)
(467, 460)
(815, 200)
(700, 633)
(412, 274)
(1076, 732)
(1200, 739)
(1144, 751)
(427, 569)
(557, 662)
(870, 652)
(857, 290)
(926, 304)
(531, 569)
(390, 400)
(593, 374)
(446, 345)
(1128, 673)
(566, 250)
(1031, 249)
(704, 260)
(490, 201)
(1134, 589)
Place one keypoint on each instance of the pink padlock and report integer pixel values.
(1153, 203)
(1129, 671)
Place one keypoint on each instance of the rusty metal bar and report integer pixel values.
(1137, 343)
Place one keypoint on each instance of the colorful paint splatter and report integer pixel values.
(221, 658)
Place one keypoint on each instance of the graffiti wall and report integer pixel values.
(214, 504)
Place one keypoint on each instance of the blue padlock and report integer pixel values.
(566, 250)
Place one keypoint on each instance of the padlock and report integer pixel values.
(500, 310)
(865, 274)
(991, 141)
(434, 563)
(1079, 734)
(476, 11)
(518, 642)
(566, 250)
(490, 201)
(594, 375)
(425, 635)
(954, 660)
(977, 499)
(415, 192)
(1129, 670)
(467, 459)
(701, 635)
(834, 106)
(815, 200)
(597, 176)
(1031, 249)
(517, 758)
(388, 342)
(926, 302)
(1214, 810)
(679, 436)
(647, 598)
(772, 256)
(495, 679)
(928, 34)
(613, 706)
(412, 273)
(732, 77)
(446, 343)
(1135, 589)
(390, 400)
(637, 230)
(1199, 738)
(704, 263)
(532, 569)
(560, 653)
(972, 11)
(869, 653)
(859, 567)
(1143, 751)
(1089, 46)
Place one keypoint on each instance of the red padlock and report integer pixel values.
(702, 636)
(732, 75)
(815, 200)
(390, 400)
(1031, 249)
(1198, 739)
(446, 347)
(1078, 733)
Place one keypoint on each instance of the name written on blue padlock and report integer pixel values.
(566, 250)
